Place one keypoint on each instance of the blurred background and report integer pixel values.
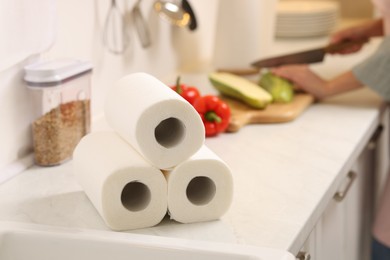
(33, 31)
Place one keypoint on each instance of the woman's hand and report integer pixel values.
(306, 80)
(384, 8)
(361, 32)
(303, 79)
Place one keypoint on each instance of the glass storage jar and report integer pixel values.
(60, 91)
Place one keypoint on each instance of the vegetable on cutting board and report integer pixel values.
(214, 112)
(189, 93)
(281, 89)
(240, 88)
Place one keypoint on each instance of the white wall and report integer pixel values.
(79, 35)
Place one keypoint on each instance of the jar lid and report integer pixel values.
(53, 73)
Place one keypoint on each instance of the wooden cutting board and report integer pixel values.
(242, 114)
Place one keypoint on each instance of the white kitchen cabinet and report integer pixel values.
(359, 207)
(330, 233)
(343, 231)
(308, 250)
(382, 157)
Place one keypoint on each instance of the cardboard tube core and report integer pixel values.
(135, 196)
(169, 132)
(201, 190)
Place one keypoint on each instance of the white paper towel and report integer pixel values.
(126, 190)
(199, 189)
(155, 120)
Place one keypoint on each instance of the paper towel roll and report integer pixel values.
(126, 190)
(244, 32)
(155, 120)
(199, 189)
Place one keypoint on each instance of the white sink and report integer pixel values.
(19, 241)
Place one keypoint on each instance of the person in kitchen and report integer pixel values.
(373, 72)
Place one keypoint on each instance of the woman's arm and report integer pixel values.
(305, 79)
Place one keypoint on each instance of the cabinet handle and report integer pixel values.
(303, 256)
(340, 195)
(375, 136)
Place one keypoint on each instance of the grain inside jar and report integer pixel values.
(56, 133)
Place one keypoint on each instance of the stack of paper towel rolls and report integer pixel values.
(155, 161)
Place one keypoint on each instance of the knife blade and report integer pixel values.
(309, 56)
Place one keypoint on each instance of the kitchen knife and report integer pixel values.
(310, 56)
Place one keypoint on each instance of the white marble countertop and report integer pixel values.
(284, 174)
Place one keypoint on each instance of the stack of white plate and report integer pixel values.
(300, 18)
